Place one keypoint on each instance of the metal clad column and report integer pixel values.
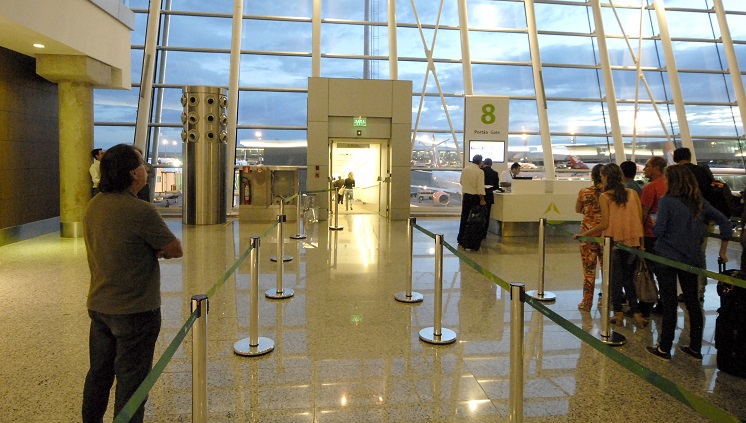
(204, 137)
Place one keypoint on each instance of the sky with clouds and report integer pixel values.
(499, 52)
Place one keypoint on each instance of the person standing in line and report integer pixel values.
(683, 156)
(629, 169)
(472, 191)
(491, 183)
(681, 224)
(338, 184)
(506, 178)
(124, 239)
(621, 220)
(95, 169)
(650, 199)
(591, 253)
(349, 185)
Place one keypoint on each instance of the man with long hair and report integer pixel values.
(124, 238)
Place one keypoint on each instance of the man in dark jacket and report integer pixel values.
(491, 183)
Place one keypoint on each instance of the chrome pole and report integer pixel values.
(299, 216)
(336, 226)
(279, 293)
(540, 294)
(517, 292)
(437, 334)
(607, 336)
(408, 296)
(254, 345)
(281, 219)
(199, 359)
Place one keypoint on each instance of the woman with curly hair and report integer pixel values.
(680, 226)
(591, 253)
(621, 220)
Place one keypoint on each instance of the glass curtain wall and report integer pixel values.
(276, 60)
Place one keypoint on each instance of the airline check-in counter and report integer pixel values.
(517, 213)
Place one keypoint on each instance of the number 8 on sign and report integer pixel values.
(488, 116)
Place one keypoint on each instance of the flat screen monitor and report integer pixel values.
(528, 178)
(494, 150)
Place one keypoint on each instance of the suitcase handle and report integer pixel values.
(721, 265)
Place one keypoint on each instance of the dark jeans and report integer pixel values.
(622, 272)
(122, 346)
(667, 282)
(468, 202)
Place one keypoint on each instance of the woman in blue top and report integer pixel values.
(680, 226)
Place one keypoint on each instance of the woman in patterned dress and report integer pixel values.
(590, 252)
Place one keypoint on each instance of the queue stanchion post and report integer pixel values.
(199, 358)
(254, 345)
(408, 296)
(515, 399)
(438, 334)
(540, 294)
(281, 219)
(299, 214)
(279, 292)
(606, 335)
(336, 226)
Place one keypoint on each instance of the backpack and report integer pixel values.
(720, 196)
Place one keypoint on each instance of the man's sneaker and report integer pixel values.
(656, 351)
(691, 353)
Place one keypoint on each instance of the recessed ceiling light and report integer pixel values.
(37, 45)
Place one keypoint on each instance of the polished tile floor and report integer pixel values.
(345, 350)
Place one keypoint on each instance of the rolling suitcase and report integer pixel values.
(730, 330)
(475, 229)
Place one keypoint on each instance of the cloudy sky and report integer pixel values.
(277, 36)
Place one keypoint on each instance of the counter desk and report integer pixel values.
(517, 213)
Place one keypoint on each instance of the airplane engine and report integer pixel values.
(441, 198)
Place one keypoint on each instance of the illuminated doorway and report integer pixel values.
(368, 161)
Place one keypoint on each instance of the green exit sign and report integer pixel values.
(359, 121)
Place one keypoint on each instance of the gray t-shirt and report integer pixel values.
(122, 236)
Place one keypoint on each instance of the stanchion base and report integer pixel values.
(614, 339)
(243, 347)
(336, 228)
(286, 293)
(547, 296)
(447, 336)
(416, 297)
(284, 258)
(298, 236)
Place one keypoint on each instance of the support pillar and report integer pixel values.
(75, 77)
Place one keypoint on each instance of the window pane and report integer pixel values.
(354, 68)
(690, 24)
(354, 10)
(493, 14)
(349, 39)
(619, 54)
(274, 71)
(294, 8)
(200, 32)
(191, 68)
(504, 47)
(565, 49)
(447, 43)
(433, 115)
(115, 105)
(576, 116)
(710, 121)
(523, 116)
(137, 35)
(503, 80)
(270, 108)
(703, 87)
(571, 82)
(692, 55)
(276, 36)
(109, 136)
(625, 80)
(204, 6)
(558, 17)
